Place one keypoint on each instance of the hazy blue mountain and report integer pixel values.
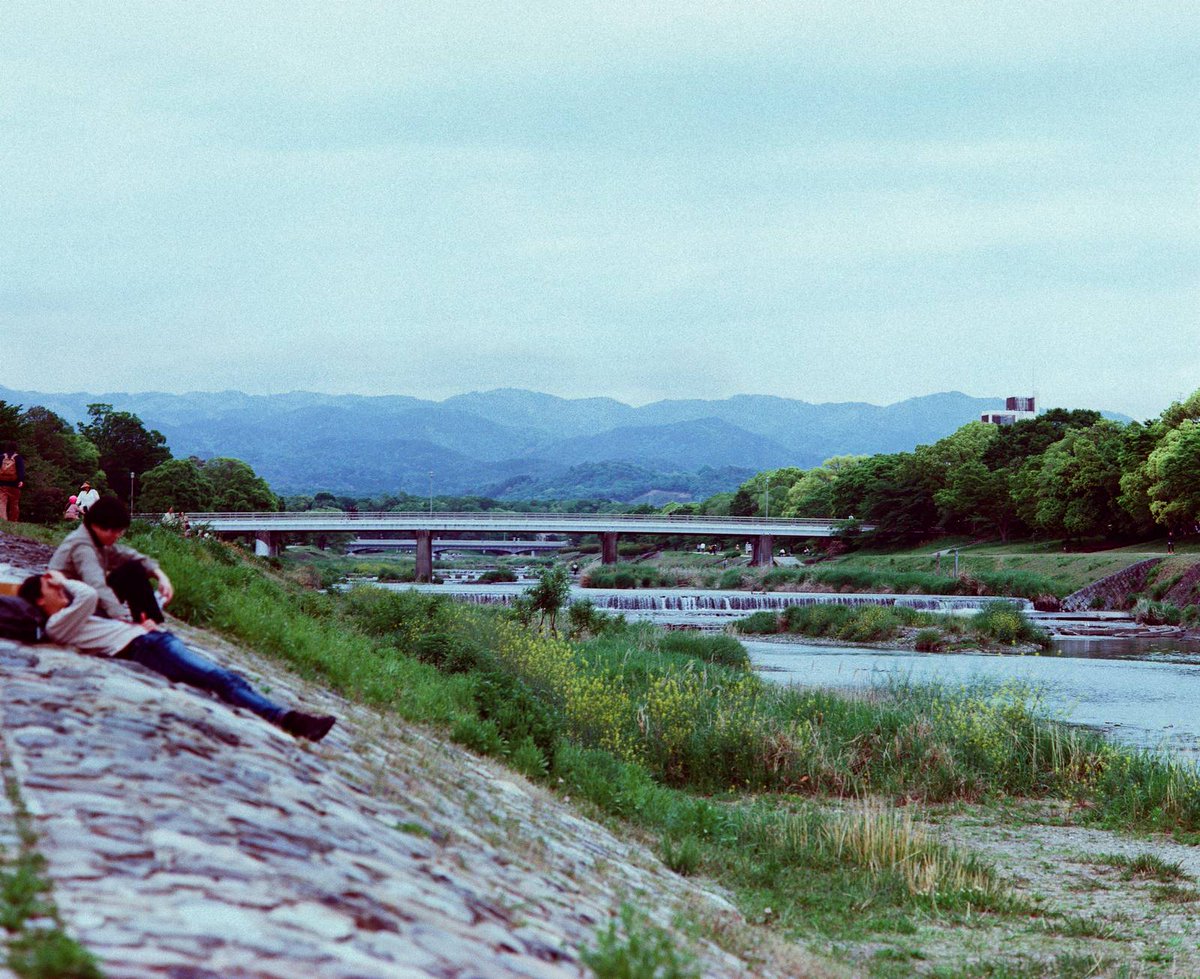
(559, 417)
(514, 443)
(619, 481)
(683, 446)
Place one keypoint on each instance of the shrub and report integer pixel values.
(527, 758)
(1157, 613)
(508, 702)
(482, 737)
(637, 949)
(584, 619)
(760, 624)
(683, 857)
(1005, 622)
(710, 648)
(929, 641)
(731, 578)
(493, 575)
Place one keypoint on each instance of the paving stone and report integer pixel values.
(190, 840)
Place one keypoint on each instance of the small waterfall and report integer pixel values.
(730, 602)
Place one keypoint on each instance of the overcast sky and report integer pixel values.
(825, 200)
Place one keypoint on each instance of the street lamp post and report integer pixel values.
(131, 475)
(767, 499)
(431, 493)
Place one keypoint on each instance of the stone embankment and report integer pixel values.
(1112, 591)
(185, 838)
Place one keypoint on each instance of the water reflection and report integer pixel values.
(1141, 692)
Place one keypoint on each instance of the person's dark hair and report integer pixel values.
(107, 513)
(31, 589)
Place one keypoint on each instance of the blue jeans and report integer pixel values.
(163, 652)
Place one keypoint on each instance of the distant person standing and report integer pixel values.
(72, 510)
(12, 480)
(87, 496)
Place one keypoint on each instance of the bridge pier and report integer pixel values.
(424, 540)
(266, 543)
(762, 551)
(608, 547)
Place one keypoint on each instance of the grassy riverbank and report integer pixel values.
(733, 778)
(808, 806)
(998, 626)
(1045, 570)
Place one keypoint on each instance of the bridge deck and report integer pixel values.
(564, 523)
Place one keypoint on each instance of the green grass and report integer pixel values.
(672, 735)
(34, 950)
(633, 948)
(998, 623)
(1018, 568)
(1146, 866)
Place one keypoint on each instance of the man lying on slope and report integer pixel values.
(70, 606)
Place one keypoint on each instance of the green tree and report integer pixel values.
(178, 483)
(977, 499)
(56, 459)
(1173, 472)
(236, 488)
(765, 489)
(812, 494)
(549, 595)
(1077, 488)
(124, 444)
(1012, 445)
(717, 505)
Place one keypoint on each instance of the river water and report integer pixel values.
(1140, 692)
(1143, 692)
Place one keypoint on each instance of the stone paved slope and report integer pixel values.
(189, 839)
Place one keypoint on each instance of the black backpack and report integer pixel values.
(21, 621)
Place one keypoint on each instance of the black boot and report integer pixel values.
(311, 726)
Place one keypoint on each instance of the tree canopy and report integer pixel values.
(1067, 473)
(125, 446)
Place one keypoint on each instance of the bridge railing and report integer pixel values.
(486, 517)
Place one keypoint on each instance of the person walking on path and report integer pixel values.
(69, 608)
(12, 481)
(120, 575)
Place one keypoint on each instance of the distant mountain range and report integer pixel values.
(516, 444)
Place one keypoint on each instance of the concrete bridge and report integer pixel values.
(363, 544)
(268, 528)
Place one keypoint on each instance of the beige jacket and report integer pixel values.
(78, 626)
(81, 557)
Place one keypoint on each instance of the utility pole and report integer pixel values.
(767, 499)
(431, 493)
(131, 492)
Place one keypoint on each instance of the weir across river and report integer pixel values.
(269, 529)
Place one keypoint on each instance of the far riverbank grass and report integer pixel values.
(1020, 569)
(719, 767)
(997, 624)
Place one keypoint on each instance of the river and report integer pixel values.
(1141, 692)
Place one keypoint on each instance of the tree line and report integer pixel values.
(116, 453)
(1064, 474)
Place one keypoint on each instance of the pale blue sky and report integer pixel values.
(827, 201)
